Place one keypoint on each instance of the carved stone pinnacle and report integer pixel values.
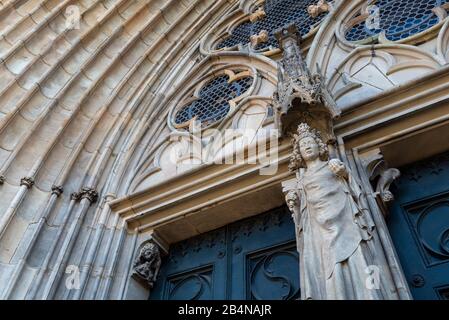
(300, 95)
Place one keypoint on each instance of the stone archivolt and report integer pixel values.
(92, 106)
(74, 103)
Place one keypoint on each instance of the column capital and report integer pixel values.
(90, 194)
(27, 181)
(57, 190)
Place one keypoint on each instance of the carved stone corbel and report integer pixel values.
(381, 176)
(147, 264)
(2, 180)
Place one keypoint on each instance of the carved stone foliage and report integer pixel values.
(260, 38)
(90, 194)
(57, 190)
(27, 182)
(85, 193)
(301, 96)
(147, 264)
(382, 177)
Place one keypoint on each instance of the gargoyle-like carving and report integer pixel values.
(315, 10)
(2, 180)
(262, 37)
(147, 264)
(379, 171)
(301, 96)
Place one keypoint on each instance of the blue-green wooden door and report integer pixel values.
(252, 259)
(419, 226)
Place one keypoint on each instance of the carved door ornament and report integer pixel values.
(381, 177)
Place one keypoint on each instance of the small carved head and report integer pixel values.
(149, 250)
(291, 198)
(147, 253)
(307, 145)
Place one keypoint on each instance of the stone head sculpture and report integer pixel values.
(307, 145)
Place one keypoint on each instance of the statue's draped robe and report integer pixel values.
(333, 235)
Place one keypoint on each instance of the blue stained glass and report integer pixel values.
(213, 102)
(279, 13)
(399, 19)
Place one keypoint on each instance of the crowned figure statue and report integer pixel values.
(334, 231)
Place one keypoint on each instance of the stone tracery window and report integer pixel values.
(276, 14)
(399, 19)
(213, 101)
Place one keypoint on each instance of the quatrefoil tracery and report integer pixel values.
(214, 99)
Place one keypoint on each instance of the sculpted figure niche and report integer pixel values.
(334, 232)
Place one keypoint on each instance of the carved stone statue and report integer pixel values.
(334, 231)
(147, 264)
